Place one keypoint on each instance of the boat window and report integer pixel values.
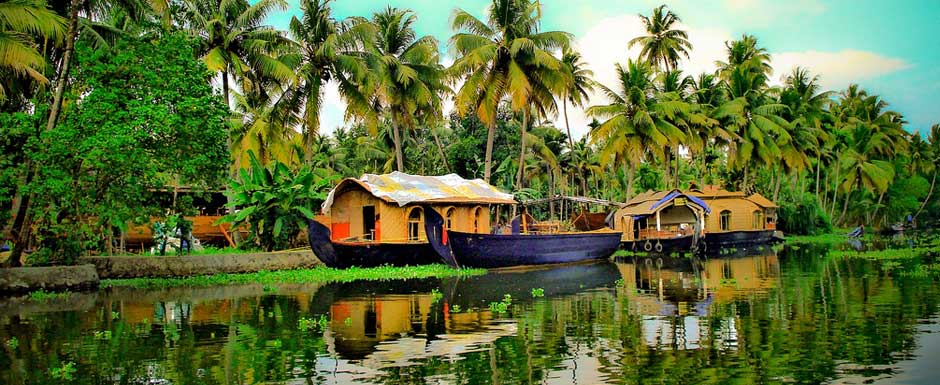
(477, 219)
(725, 220)
(449, 214)
(758, 219)
(415, 221)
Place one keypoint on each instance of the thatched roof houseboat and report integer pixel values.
(380, 219)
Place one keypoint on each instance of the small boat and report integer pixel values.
(510, 250)
(380, 220)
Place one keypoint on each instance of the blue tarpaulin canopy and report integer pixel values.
(676, 193)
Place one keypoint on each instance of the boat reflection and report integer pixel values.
(410, 322)
(681, 300)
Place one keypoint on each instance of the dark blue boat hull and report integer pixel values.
(368, 254)
(716, 241)
(495, 251)
(666, 245)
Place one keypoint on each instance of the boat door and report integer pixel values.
(368, 222)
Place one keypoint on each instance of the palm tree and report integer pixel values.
(707, 94)
(580, 84)
(807, 115)
(663, 46)
(330, 50)
(751, 111)
(508, 56)
(933, 154)
(744, 55)
(636, 122)
(860, 163)
(22, 23)
(407, 75)
(235, 42)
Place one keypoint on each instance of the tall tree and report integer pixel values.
(507, 56)
(636, 122)
(663, 46)
(407, 74)
(933, 167)
(331, 51)
(580, 83)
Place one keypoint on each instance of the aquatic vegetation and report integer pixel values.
(63, 372)
(316, 275)
(307, 324)
(501, 307)
(12, 343)
(436, 295)
(347, 321)
(43, 296)
(455, 309)
(103, 335)
(833, 238)
(538, 292)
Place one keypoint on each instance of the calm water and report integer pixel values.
(795, 317)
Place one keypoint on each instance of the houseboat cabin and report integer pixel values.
(737, 218)
(380, 219)
(661, 221)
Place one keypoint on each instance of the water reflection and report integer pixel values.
(759, 318)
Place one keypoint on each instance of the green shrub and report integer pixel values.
(803, 218)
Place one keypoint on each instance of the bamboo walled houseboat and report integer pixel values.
(736, 218)
(380, 219)
(661, 221)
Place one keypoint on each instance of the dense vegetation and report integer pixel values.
(95, 97)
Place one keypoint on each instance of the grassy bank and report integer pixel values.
(316, 275)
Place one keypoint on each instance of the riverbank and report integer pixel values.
(319, 274)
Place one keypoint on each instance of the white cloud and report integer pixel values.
(837, 69)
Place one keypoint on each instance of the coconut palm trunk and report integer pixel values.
(488, 163)
(929, 194)
(440, 149)
(519, 176)
(564, 109)
(396, 137)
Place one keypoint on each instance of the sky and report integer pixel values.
(890, 48)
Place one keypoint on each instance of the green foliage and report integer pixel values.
(501, 307)
(44, 296)
(311, 324)
(316, 275)
(436, 295)
(803, 218)
(15, 136)
(538, 292)
(276, 202)
(12, 343)
(64, 372)
(145, 114)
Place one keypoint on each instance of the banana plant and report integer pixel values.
(275, 202)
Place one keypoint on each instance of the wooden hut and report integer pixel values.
(661, 221)
(737, 217)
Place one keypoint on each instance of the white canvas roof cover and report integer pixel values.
(403, 189)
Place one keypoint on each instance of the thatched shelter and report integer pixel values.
(389, 208)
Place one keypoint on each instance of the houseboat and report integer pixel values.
(527, 244)
(736, 218)
(662, 221)
(381, 219)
